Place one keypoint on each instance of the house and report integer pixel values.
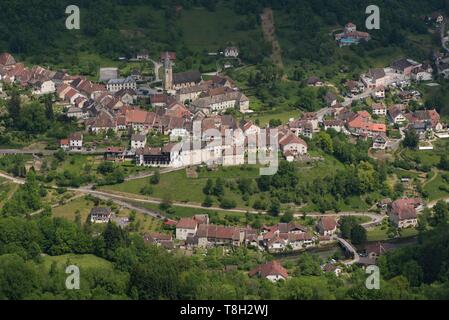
(332, 268)
(44, 87)
(304, 127)
(143, 55)
(351, 36)
(379, 109)
(327, 226)
(423, 73)
(374, 78)
(380, 142)
(223, 81)
(7, 60)
(127, 96)
(222, 102)
(231, 52)
(354, 87)
(186, 227)
(104, 121)
(405, 66)
(159, 100)
(76, 141)
(314, 82)
(291, 145)
(330, 99)
(337, 125)
(396, 114)
(160, 239)
(272, 271)
(378, 93)
(138, 141)
(64, 144)
(186, 79)
(212, 235)
(114, 154)
(361, 125)
(115, 85)
(402, 212)
(430, 116)
(100, 215)
(75, 112)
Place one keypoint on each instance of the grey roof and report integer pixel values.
(187, 77)
(403, 63)
(138, 137)
(100, 211)
(121, 81)
(206, 102)
(377, 73)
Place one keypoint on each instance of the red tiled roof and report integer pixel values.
(271, 268)
(187, 223)
(328, 223)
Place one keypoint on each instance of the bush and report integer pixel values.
(227, 203)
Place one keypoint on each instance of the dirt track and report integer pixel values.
(269, 32)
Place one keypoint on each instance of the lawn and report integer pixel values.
(433, 188)
(68, 210)
(143, 222)
(178, 187)
(83, 261)
(265, 117)
(380, 233)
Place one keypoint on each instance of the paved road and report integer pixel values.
(365, 94)
(47, 152)
(118, 198)
(157, 66)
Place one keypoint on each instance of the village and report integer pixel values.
(189, 111)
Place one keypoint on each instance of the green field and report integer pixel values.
(433, 188)
(178, 187)
(380, 233)
(83, 261)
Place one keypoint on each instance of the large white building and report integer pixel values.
(222, 102)
(115, 85)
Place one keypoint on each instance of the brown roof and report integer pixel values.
(405, 208)
(7, 59)
(328, 223)
(187, 223)
(218, 232)
(268, 269)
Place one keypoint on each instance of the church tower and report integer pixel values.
(168, 73)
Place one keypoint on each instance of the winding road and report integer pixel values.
(125, 199)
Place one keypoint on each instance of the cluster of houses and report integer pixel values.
(398, 75)
(197, 232)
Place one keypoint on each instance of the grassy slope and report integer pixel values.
(83, 261)
(178, 187)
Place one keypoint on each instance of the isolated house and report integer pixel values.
(272, 271)
(402, 212)
(100, 215)
(76, 141)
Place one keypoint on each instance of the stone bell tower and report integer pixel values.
(168, 72)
